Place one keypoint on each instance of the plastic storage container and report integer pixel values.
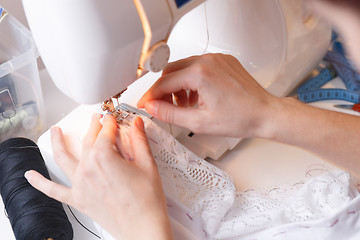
(21, 102)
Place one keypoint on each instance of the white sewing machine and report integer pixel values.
(95, 49)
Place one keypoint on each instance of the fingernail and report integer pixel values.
(53, 130)
(139, 104)
(129, 157)
(107, 117)
(27, 175)
(151, 108)
(139, 123)
(97, 116)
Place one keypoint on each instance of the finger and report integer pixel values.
(181, 98)
(66, 161)
(168, 98)
(49, 188)
(193, 98)
(93, 131)
(123, 143)
(180, 64)
(173, 114)
(140, 146)
(108, 132)
(185, 79)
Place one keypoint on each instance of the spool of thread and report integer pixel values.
(33, 215)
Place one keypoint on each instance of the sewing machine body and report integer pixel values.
(95, 49)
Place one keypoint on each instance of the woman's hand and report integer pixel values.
(123, 194)
(228, 101)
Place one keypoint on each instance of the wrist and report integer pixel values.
(150, 226)
(276, 117)
(157, 227)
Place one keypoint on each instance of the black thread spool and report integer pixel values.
(33, 215)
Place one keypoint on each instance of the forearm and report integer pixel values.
(332, 136)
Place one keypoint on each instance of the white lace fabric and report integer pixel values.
(210, 195)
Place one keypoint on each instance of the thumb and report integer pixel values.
(167, 112)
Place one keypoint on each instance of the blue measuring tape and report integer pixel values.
(325, 75)
(338, 65)
(329, 94)
(344, 69)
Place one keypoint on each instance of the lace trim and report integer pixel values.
(210, 194)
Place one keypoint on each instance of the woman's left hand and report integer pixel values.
(120, 193)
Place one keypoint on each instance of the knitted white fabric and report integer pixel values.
(211, 199)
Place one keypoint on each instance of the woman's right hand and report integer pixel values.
(228, 101)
